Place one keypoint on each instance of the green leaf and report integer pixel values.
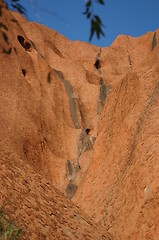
(88, 14)
(19, 8)
(86, 11)
(92, 31)
(96, 27)
(100, 2)
(88, 4)
(97, 19)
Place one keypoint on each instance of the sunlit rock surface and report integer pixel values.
(79, 122)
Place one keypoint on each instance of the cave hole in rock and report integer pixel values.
(49, 77)
(97, 64)
(24, 72)
(87, 131)
(25, 44)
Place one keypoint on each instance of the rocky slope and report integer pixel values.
(124, 167)
(38, 208)
(84, 120)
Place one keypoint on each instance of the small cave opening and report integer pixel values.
(87, 131)
(49, 80)
(97, 64)
(24, 72)
(25, 44)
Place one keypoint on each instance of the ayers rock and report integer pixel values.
(79, 134)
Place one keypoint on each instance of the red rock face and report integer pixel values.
(84, 120)
(121, 182)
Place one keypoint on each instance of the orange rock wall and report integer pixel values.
(86, 120)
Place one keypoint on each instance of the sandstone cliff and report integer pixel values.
(83, 121)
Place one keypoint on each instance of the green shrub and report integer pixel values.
(8, 230)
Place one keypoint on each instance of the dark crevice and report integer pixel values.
(24, 72)
(154, 41)
(25, 44)
(34, 46)
(49, 77)
(97, 63)
(87, 131)
(129, 59)
(15, 50)
(84, 144)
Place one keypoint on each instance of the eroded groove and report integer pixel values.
(154, 41)
(72, 101)
(70, 169)
(84, 143)
(71, 189)
(103, 92)
(150, 102)
(129, 58)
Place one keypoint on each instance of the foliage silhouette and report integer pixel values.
(96, 25)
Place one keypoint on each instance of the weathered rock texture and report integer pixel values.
(84, 120)
(122, 180)
(40, 210)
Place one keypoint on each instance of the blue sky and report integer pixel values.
(132, 18)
